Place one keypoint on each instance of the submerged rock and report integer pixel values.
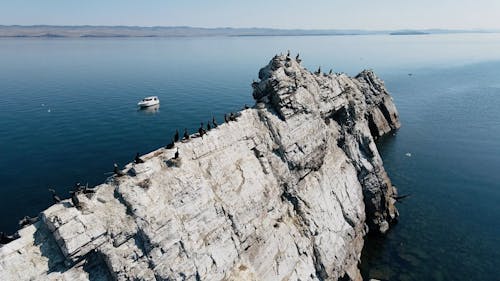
(283, 193)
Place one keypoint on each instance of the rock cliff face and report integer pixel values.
(286, 192)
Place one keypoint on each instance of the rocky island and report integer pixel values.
(287, 191)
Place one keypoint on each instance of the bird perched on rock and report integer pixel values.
(54, 196)
(208, 126)
(75, 200)
(201, 131)
(176, 155)
(170, 145)
(330, 72)
(246, 106)
(232, 117)
(26, 220)
(318, 72)
(138, 159)
(176, 136)
(186, 135)
(117, 171)
(214, 122)
(297, 58)
(225, 118)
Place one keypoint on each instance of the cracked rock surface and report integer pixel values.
(285, 192)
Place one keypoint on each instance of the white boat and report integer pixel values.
(148, 101)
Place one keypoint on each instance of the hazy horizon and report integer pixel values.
(253, 27)
(279, 14)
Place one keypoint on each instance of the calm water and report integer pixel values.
(67, 113)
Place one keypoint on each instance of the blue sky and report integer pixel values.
(327, 14)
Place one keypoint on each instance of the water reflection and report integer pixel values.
(150, 109)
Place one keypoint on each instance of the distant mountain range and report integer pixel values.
(186, 31)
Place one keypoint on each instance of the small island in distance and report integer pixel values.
(50, 31)
(409, 32)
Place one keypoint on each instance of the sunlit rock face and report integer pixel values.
(285, 192)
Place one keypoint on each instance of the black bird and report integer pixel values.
(170, 145)
(214, 122)
(176, 155)
(246, 106)
(225, 118)
(138, 159)
(117, 171)
(288, 53)
(232, 117)
(186, 135)
(331, 71)
(297, 58)
(201, 131)
(75, 200)
(26, 220)
(208, 126)
(318, 71)
(4, 238)
(54, 196)
(176, 136)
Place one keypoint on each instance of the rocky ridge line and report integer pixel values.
(286, 192)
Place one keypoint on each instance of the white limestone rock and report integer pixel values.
(283, 193)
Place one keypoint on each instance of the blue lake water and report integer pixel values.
(67, 113)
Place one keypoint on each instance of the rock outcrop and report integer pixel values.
(286, 192)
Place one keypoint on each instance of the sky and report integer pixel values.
(289, 14)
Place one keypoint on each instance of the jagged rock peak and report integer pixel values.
(283, 193)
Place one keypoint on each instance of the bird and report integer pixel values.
(75, 200)
(232, 117)
(331, 71)
(318, 71)
(225, 118)
(246, 106)
(176, 155)
(214, 122)
(170, 145)
(297, 58)
(201, 131)
(26, 220)
(138, 159)
(176, 136)
(208, 126)
(117, 171)
(54, 196)
(186, 135)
